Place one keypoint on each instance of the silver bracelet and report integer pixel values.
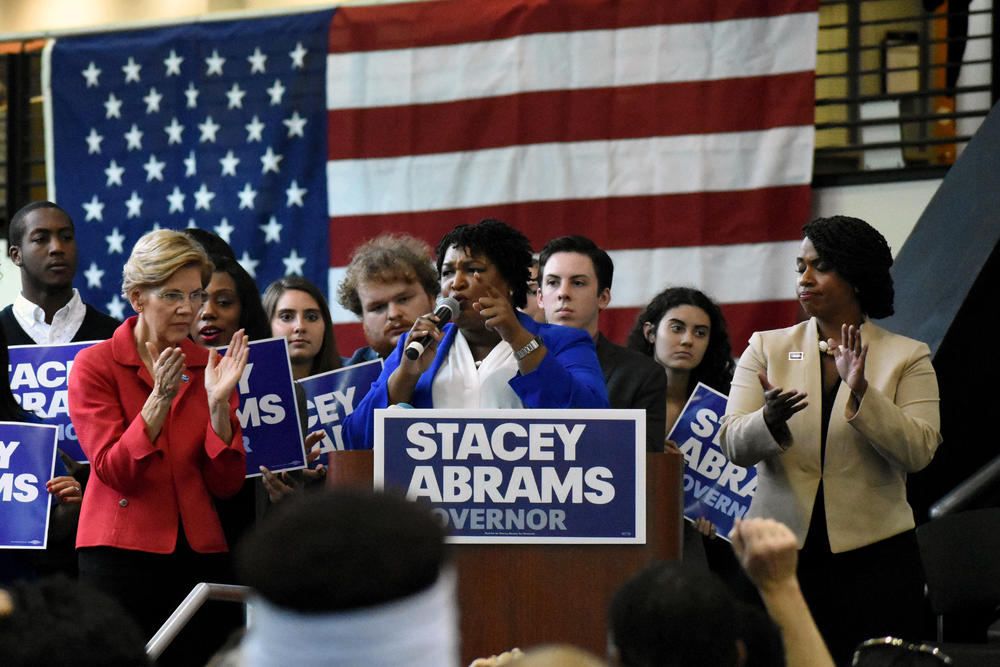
(532, 345)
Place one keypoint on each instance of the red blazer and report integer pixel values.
(139, 489)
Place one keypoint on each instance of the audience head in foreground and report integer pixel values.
(672, 614)
(57, 621)
(351, 578)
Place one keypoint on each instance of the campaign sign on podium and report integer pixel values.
(332, 396)
(268, 413)
(714, 487)
(38, 377)
(520, 476)
(27, 462)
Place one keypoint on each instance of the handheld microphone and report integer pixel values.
(446, 309)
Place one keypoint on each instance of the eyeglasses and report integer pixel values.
(176, 297)
(890, 651)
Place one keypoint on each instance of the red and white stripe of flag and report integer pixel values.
(678, 135)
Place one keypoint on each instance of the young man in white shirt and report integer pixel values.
(41, 242)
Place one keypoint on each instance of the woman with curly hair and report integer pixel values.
(491, 355)
(833, 468)
(684, 331)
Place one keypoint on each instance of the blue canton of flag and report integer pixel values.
(218, 125)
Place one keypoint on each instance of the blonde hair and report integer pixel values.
(158, 255)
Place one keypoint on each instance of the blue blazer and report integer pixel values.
(569, 376)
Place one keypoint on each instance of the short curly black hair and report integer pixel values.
(18, 224)
(660, 616)
(507, 248)
(717, 366)
(362, 531)
(861, 255)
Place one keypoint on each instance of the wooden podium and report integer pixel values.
(529, 594)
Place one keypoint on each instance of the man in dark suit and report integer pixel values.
(41, 241)
(574, 287)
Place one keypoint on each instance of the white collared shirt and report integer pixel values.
(65, 323)
(461, 383)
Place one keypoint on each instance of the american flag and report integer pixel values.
(678, 135)
(219, 125)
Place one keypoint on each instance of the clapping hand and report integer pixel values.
(779, 405)
(168, 367)
(223, 373)
(850, 355)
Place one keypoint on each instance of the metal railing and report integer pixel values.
(198, 596)
(888, 96)
(963, 496)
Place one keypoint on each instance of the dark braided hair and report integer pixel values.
(717, 366)
(507, 248)
(860, 254)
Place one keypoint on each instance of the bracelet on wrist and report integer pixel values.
(535, 343)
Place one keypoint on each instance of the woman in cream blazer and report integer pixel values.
(834, 412)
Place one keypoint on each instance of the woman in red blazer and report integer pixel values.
(156, 416)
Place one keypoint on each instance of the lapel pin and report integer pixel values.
(184, 378)
(795, 356)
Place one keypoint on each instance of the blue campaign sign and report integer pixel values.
(520, 476)
(38, 376)
(332, 396)
(27, 462)
(268, 413)
(714, 487)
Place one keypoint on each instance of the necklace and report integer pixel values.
(824, 348)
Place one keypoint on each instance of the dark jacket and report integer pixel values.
(636, 381)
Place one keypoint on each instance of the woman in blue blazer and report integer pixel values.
(491, 356)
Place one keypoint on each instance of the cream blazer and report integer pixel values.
(895, 430)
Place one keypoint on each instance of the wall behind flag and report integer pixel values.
(43, 15)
